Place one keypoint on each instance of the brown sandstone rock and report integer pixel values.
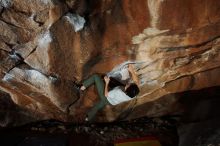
(7, 33)
(45, 46)
(12, 114)
(4, 47)
(192, 14)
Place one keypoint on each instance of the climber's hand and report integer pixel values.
(107, 79)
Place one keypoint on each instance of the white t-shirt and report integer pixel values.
(120, 73)
(117, 96)
(124, 74)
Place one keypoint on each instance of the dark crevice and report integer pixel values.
(23, 65)
(192, 76)
(193, 56)
(4, 50)
(169, 49)
(69, 106)
(6, 70)
(16, 58)
(10, 24)
(19, 64)
(16, 55)
(16, 64)
(38, 22)
(192, 82)
(2, 11)
(31, 52)
(9, 45)
(201, 52)
(199, 55)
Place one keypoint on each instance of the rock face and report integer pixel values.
(46, 45)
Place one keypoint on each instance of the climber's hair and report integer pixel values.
(132, 90)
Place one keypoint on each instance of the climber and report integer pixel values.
(118, 93)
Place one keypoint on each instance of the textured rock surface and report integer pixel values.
(46, 45)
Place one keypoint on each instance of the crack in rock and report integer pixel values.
(31, 52)
(169, 49)
(1, 10)
(12, 24)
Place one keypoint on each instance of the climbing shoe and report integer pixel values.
(77, 85)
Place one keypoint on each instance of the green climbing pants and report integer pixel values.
(100, 86)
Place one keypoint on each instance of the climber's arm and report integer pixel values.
(106, 85)
(133, 74)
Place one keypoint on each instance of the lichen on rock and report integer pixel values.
(5, 3)
(76, 20)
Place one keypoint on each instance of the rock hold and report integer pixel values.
(76, 20)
